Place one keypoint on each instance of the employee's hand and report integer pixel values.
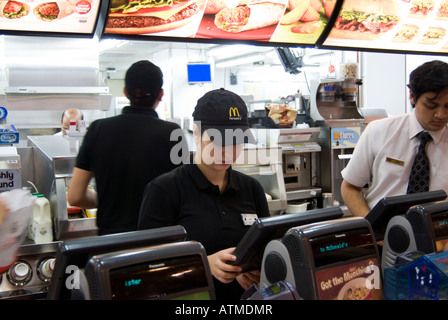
(249, 278)
(221, 270)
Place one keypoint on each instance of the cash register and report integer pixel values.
(328, 260)
(422, 228)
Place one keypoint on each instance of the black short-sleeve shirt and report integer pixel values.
(125, 153)
(185, 197)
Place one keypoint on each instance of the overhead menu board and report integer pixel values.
(295, 22)
(392, 25)
(47, 16)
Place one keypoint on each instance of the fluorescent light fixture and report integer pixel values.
(318, 58)
(230, 50)
(239, 60)
(107, 44)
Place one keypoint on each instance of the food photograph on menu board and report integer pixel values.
(282, 21)
(395, 25)
(176, 18)
(60, 16)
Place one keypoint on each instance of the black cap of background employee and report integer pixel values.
(142, 79)
(225, 112)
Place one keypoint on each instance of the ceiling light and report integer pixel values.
(239, 60)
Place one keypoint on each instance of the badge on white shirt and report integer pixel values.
(249, 218)
(395, 161)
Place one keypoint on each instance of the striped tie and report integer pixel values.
(419, 178)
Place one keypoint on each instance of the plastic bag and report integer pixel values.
(14, 227)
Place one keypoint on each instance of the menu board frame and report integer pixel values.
(206, 29)
(410, 35)
(95, 20)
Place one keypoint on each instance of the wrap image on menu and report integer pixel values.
(54, 10)
(253, 15)
(13, 9)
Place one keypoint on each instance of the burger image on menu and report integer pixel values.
(149, 16)
(366, 19)
(13, 9)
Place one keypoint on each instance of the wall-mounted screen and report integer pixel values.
(47, 17)
(199, 72)
(391, 25)
(299, 22)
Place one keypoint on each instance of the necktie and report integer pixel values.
(419, 177)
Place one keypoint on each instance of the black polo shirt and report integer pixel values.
(125, 153)
(185, 197)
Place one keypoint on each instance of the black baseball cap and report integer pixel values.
(223, 115)
(143, 78)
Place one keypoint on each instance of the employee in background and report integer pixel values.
(207, 197)
(67, 115)
(125, 152)
(385, 152)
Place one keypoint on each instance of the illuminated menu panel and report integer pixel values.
(392, 25)
(40, 16)
(276, 21)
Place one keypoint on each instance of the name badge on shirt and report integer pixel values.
(249, 218)
(395, 161)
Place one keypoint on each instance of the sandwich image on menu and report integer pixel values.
(253, 14)
(407, 33)
(421, 9)
(241, 19)
(149, 16)
(366, 19)
(433, 36)
(442, 12)
(14, 9)
(54, 10)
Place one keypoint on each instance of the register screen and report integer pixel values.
(159, 279)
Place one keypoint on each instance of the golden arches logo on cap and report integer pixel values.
(234, 113)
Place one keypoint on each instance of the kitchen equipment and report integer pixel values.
(54, 160)
(334, 109)
(265, 165)
(29, 277)
(300, 162)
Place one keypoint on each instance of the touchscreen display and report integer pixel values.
(342, 246)
(440, 225)
(159, 279)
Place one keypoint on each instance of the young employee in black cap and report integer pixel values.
(125, 152)
(208, 198)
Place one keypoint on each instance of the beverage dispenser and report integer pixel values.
(334, 107)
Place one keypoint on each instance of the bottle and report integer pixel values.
(72, 127)
(42, 226)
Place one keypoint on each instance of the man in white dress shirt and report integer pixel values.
(383, 157)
